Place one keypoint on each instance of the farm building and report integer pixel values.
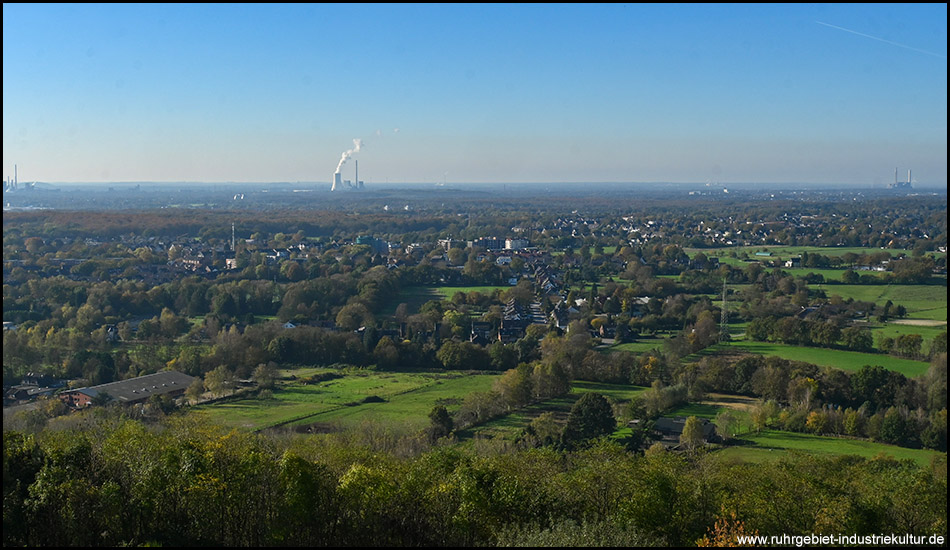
(133, 390)
(670, 429)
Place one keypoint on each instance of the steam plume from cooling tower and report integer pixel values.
(357, 144)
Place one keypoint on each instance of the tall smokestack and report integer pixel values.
(908, 176)
(895, 176)
(14, 176)
(356, 177)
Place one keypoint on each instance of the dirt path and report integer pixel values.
(738, 402)
(919, 322)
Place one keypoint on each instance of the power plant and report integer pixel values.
(340, 183)
(15, 185)
(900, 184)
(11, 185)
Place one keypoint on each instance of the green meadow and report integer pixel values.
(699, 410)
(410, 408)
(396, 397)
(840, 359)
(641, 345)
(916, 298)
(788, 251)
(617, 392)
(416, 296)
(896, 330)
(938, 313)
(731, 256)
(776, 444)
(510, 426)
(448, 291)
(830, 274)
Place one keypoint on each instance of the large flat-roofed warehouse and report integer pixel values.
(133, 390)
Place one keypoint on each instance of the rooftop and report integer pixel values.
(142, 387)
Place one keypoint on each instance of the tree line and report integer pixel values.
(111, 481)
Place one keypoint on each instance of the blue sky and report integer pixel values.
(837, 94)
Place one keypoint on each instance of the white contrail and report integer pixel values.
(882, 40)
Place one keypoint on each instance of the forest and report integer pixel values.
(104, 480)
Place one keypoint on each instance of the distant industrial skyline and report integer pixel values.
(810, 94)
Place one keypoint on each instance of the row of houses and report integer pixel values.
(516, 319)
(31, 387)
(545, 280)
(488, 243)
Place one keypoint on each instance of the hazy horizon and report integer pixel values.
(320, 185)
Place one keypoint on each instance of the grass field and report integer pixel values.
(449, 291)
(896, 329)
(416, 296)
(926, 307)
(410, 408)
(830, 274)
(700, 410)
(715, 403)
(510, 426)
(938, 313)
(840, 359)
(781, 253)
(640, 346)
(921, 301)
(775, 444)
(408, 398)
(737, 329)
(617, 392)
(786, 251)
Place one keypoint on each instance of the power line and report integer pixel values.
(724, 320)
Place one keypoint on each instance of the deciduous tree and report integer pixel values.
(592, 416)
(220, 381)
(692, 436)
